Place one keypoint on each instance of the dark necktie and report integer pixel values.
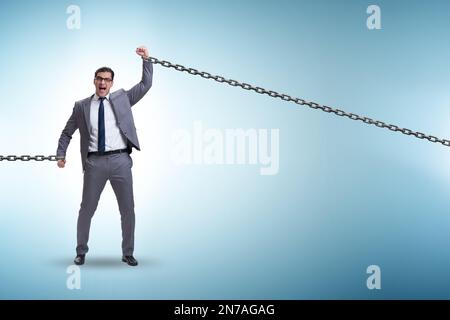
(101, 126)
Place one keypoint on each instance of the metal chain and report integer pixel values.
(301, 102)
(273, 94)
(28, 158)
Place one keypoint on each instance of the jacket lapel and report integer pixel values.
(112, 100)
(87, 113)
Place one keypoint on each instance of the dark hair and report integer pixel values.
(105, 69)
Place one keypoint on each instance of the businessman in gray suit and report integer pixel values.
(107, 137)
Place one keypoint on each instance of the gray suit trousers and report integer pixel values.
(99, 169)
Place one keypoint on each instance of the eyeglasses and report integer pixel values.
(100, 79)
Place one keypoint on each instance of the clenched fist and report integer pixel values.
(142, 51)
(61, 163)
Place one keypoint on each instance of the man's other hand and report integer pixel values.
(61, 163)
(142, 51)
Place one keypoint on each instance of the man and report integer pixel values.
(107, 136)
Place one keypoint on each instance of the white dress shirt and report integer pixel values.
(114, 140)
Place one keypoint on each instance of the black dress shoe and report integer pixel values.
(130, 260)
(79, 259)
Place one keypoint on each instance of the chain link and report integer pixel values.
(310, 104)
(273, 94)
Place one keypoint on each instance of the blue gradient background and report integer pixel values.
(347, 195)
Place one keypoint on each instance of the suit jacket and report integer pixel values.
(121, 102)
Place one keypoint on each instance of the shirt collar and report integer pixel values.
(96, 97)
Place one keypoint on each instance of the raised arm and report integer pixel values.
(138, 91)
(65, 138)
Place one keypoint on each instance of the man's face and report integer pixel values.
(103, 83)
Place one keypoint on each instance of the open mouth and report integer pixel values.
(102, 89)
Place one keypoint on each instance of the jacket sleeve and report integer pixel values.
(138, 91)
(66, 135)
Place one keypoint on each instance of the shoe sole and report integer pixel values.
(133, 265)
